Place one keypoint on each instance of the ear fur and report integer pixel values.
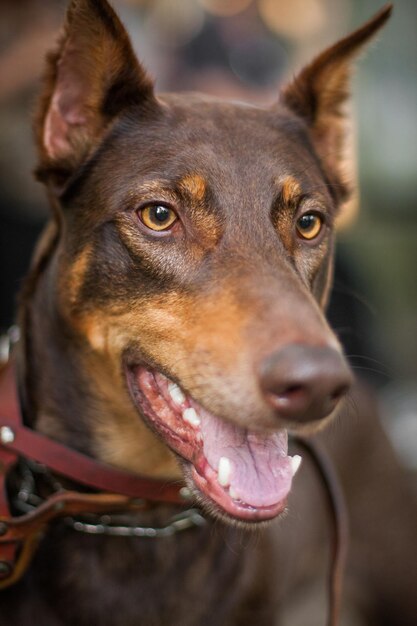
(91, 77)
(319, 91)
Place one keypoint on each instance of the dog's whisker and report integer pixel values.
(342, 288)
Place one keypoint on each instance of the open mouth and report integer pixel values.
(246, 474)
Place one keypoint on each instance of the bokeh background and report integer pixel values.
(244, 49)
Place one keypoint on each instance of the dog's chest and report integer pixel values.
(200, 577)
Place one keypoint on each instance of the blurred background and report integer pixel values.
(244, 49)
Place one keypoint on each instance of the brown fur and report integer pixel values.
(205, 306)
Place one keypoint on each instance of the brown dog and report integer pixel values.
(173, 321)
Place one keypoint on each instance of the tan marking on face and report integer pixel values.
(206, 222)
(195, 185)
(76, 275)
(96, 338)
(106, 334)
(176, 329)
(183, 333)
(130, 445)
(121, 438)
(290, 191)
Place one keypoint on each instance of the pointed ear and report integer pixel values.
(319, 92)
(91, 77)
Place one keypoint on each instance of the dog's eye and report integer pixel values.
(309, 226)
(157, 217)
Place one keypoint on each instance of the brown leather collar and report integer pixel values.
(122, 490)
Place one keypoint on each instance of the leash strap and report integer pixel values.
(339, 517)
(20, 535)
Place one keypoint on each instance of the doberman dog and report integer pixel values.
(172, 324)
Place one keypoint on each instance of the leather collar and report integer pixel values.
(117, 489)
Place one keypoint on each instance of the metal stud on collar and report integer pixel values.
(185, 493)
(7, 341)
(6, 435)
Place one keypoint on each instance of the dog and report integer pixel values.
(173, 326)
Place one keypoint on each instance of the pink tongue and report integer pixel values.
(261, 470)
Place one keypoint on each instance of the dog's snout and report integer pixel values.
(304, 383)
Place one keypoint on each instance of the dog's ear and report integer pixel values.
(91, 77)
(319, 92)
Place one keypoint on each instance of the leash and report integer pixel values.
(123, 492)
(339, 518)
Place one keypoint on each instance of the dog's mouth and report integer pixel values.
(246, 474)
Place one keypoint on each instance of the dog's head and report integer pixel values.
(192, 261)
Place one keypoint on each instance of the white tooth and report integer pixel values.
(295, 463)
(190, 415)
(176, 393)
(233, 494)
(223, 472)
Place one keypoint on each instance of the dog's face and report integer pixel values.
(194, 260)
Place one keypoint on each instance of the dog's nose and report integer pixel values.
(304, 383)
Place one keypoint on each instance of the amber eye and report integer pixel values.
(309, 225)
(157, 217)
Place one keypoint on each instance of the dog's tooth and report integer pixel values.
(233, 494)
(295, 463)
(190, 415)
(224, 471)
(176, 393)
